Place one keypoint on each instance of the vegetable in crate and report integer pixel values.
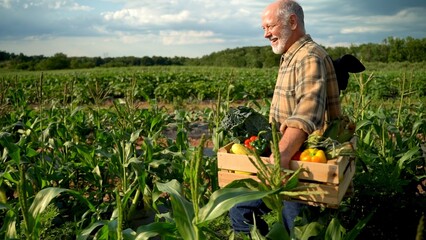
(336, 139)
(258, 144)
(243, 122)
(239, 149)
(313, 155)
(341, 130)
(248, 142)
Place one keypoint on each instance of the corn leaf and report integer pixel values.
(44, 196)
(88, 231)
(310, 230)
(183, 211)
(151, 230)
(278, 231)
(224, 199)
(334, 230)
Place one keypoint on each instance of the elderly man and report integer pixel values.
(306, 97)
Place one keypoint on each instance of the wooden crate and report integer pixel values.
(332, 178)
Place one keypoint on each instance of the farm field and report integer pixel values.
(130, 153)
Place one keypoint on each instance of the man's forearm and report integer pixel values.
(289, 144)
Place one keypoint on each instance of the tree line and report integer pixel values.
(392, 49)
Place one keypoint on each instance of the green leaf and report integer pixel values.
(103, 233)
(9, 225)
(362, 123)
(113, 228)
(293, 181)
(405, 159)
(135, 135)
(334, 230)
(30, 152)
(42, 200)
(417, 126)
(353, 234)
(44, 196)
(278, 231)
(155, 229)
(4, 206)
(224, 199)
(310, 230)
(88, 231)
(183, 211)
(129, 234)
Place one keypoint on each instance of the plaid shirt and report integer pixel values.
(306, 93)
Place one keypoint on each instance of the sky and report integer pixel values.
(190, 28)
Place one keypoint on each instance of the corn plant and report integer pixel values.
(30, 205)
(188, 219)
(386, 150)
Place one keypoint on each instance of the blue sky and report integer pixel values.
(191, 28)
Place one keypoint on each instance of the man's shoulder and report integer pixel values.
(312, 48)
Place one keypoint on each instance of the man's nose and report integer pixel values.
(266, 33)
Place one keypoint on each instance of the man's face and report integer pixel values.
(275, 31)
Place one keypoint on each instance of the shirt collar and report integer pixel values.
(287, 56)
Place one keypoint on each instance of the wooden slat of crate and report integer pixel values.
(226, 177)
(333, 193)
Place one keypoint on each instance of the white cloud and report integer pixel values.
(385, 23)
(49, 4)
(6, 3)
(408, 15)
(145, 16)
(362, 29)
(78, 7)
(188, 37)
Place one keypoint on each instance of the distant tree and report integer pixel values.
(4, 56)
(82, 62)
(58, 61)
(415, 49)
(396, 49)
(373, 52)
(337, 52)
(147, 61)
(270, 59)
(98, 61)
(158, 60)
(390, 50)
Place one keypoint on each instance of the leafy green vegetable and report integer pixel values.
(243, 122)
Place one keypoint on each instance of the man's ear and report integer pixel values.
(293, 21)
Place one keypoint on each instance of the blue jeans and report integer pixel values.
(241, 215)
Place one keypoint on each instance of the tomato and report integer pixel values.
(256, 144)
(313, 155)
(247, 144)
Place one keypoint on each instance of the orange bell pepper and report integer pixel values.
(313, 155)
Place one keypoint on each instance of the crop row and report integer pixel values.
(181, 83)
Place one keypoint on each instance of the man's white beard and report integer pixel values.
(282, 40)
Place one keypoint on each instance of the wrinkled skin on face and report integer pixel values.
(281, 31)
(274, 29)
